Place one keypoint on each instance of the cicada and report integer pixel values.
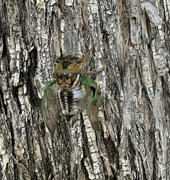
(71, 92)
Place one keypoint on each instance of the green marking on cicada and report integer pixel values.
(70, 93)
(94, 104)
(49, 85)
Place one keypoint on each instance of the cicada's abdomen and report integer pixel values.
(70, 101)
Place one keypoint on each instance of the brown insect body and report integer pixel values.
(70, 90)
(70, 93)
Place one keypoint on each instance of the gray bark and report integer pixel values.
(131, 42)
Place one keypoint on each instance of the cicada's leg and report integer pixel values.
(50, 106)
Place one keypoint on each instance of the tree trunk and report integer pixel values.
(131, 47)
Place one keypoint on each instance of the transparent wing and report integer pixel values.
(94, 102)
(93, 110)
(50, 106)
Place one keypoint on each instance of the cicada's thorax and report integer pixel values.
(70, 90)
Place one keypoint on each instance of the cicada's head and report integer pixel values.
(68, 70)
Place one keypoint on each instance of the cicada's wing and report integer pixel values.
(94, 103)
(93, 110)
(50, 106)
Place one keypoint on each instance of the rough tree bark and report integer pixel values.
(131, 40)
